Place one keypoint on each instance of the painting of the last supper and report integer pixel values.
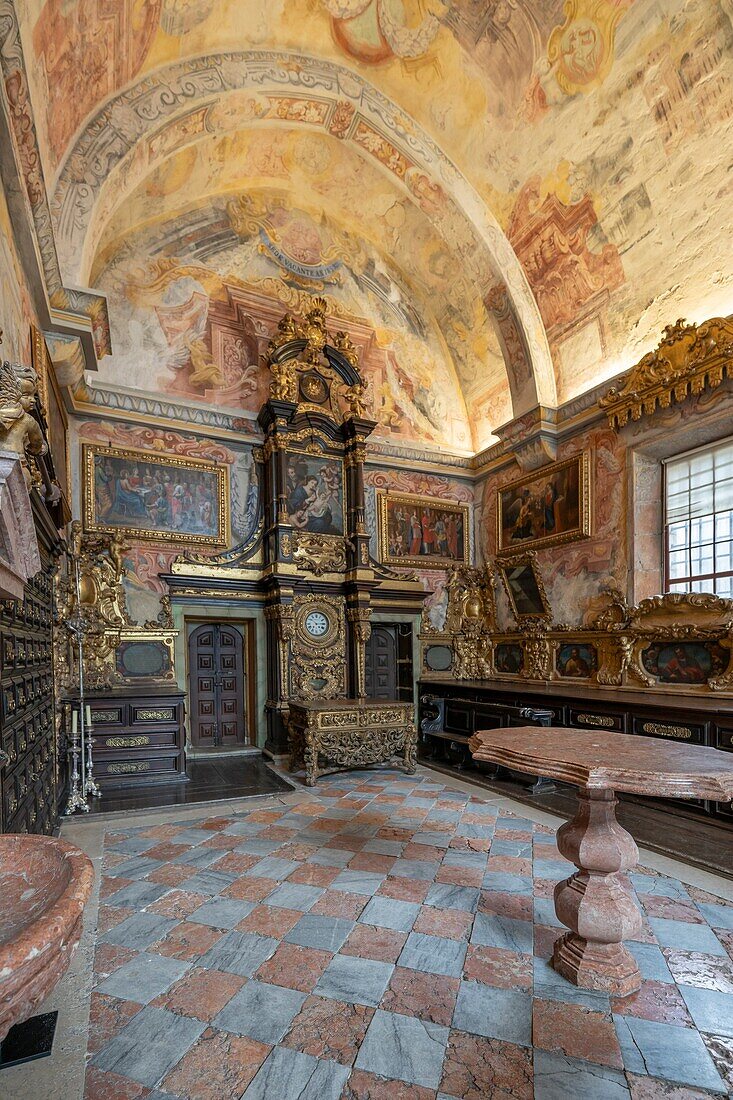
(153, 497)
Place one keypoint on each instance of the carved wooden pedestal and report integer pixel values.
(597, 902)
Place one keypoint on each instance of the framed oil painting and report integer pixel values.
(547, 507)
(524, 587)
(509, 658)
(154, 496)
(576, 660)
(422, 531)
(315, 499)
(685, 662)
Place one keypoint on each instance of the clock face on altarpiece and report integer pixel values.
(316, 624)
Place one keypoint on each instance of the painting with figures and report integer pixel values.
(155, 496)
(422, 531)
(315, 493)
(546, 507)
(685, 662)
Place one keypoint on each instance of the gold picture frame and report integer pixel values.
(117, 498)
(403, 520)
(547, 507)
(525, 588)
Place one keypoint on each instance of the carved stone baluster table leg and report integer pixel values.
(597, 902)
(310, 754)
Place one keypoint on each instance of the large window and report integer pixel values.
(698, 522)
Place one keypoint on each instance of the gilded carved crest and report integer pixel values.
(689, 359)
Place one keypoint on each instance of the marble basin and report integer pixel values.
(44, 886)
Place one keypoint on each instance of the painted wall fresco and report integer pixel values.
(16, 314)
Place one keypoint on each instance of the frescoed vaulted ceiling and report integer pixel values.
(511, 196)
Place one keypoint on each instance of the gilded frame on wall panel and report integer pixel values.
(525, 588)
(546, 507)
(204, 522)
(454, 533)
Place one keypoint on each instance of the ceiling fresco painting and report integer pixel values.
(504, 188)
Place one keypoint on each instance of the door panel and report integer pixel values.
(216, 661)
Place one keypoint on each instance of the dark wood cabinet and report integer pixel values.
(138, 738)
(695, 719)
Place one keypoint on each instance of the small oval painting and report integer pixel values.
(576, 661)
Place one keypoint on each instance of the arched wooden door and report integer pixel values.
(217, 686)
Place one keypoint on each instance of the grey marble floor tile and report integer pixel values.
(507, 883)
(652, 963)
(323, 933)
(294, 895)
(519, 824)
(710, 1009)
(244, 828)
(255, 847)
(263, 1012)
(659, 886)
(192, 836)
(686, 937)
(433, 955)
(554, 869)
(386, 847)
(239, 953)
(490, 930)
(290, 1075)
(504, 1014)
(208, 882)
(444, 895)
(544, 913)
(717, 916)
(139, 931)
(222, 912)
(272, 867)
(199, 857)
(521, 848)
(415, 868)
(136, 868)
(358, 882)
(331, 857)
(432, 837)
(354, 980)
(459, 857)
(144, 977)
(137, 894)
(134, 845)
(149, 1046)
(551, 986)
(557, 1077)
(405, 1048)
(389, 913)
(675, 1053)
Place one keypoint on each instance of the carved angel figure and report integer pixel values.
(283, 386)
(19, 431)
(355, 399)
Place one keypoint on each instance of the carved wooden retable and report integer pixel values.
(350, 733)
(596, 903)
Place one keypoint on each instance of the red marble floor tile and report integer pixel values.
(213, 824)
(476, 1069)
(113, 859)
(111, 1086)
(404, 889)
(218, 1067)
(659, 1001)
(200, 993)
(520, 835)
(222, 841)
(266, 817)
(250, 888)
(726, 938)
(415, 993)
(721, 1051)
(346, 843)
(369, 942)
(178, 903)
(460, 876)
(371, 817)
(469, 818)
(372, 861)
(236, 863)
(472, 843)
(702, 895)
(426, 852)
(576, 1031)
(171, 874)
(339, 903)
(411, 813)
(312, 874)
(651, 1088)
(269, 920)
(108, 957)
(671, 908)
(394, 832)
(368, 1086)
(277, 832)
(512, 865)
(391, 799)
(544, 940)
(298, 851)
(109, 916)
(110, 885)
(161, 832)
(166, 851)
(547, 851)
(187, 941)
(455, 924)
(329, 1029)
(701, 970)
(498, 967)
(307, 809)
(325, 825)
(107, 1016)
(294, 967)
(544, 887)
(500, 904)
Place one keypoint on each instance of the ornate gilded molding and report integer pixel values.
(688, 359)
(318, 554)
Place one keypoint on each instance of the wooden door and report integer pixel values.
(216, 670)
(381, 662)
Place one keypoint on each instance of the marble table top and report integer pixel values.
(611, 761)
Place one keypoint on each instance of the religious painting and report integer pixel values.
(422, 531)
(576, 661)
(315, 493)
(549, 506)
(687, 663)
(524, 587)
(509, 658)
(154, 496)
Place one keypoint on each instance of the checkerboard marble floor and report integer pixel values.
(388, 940)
